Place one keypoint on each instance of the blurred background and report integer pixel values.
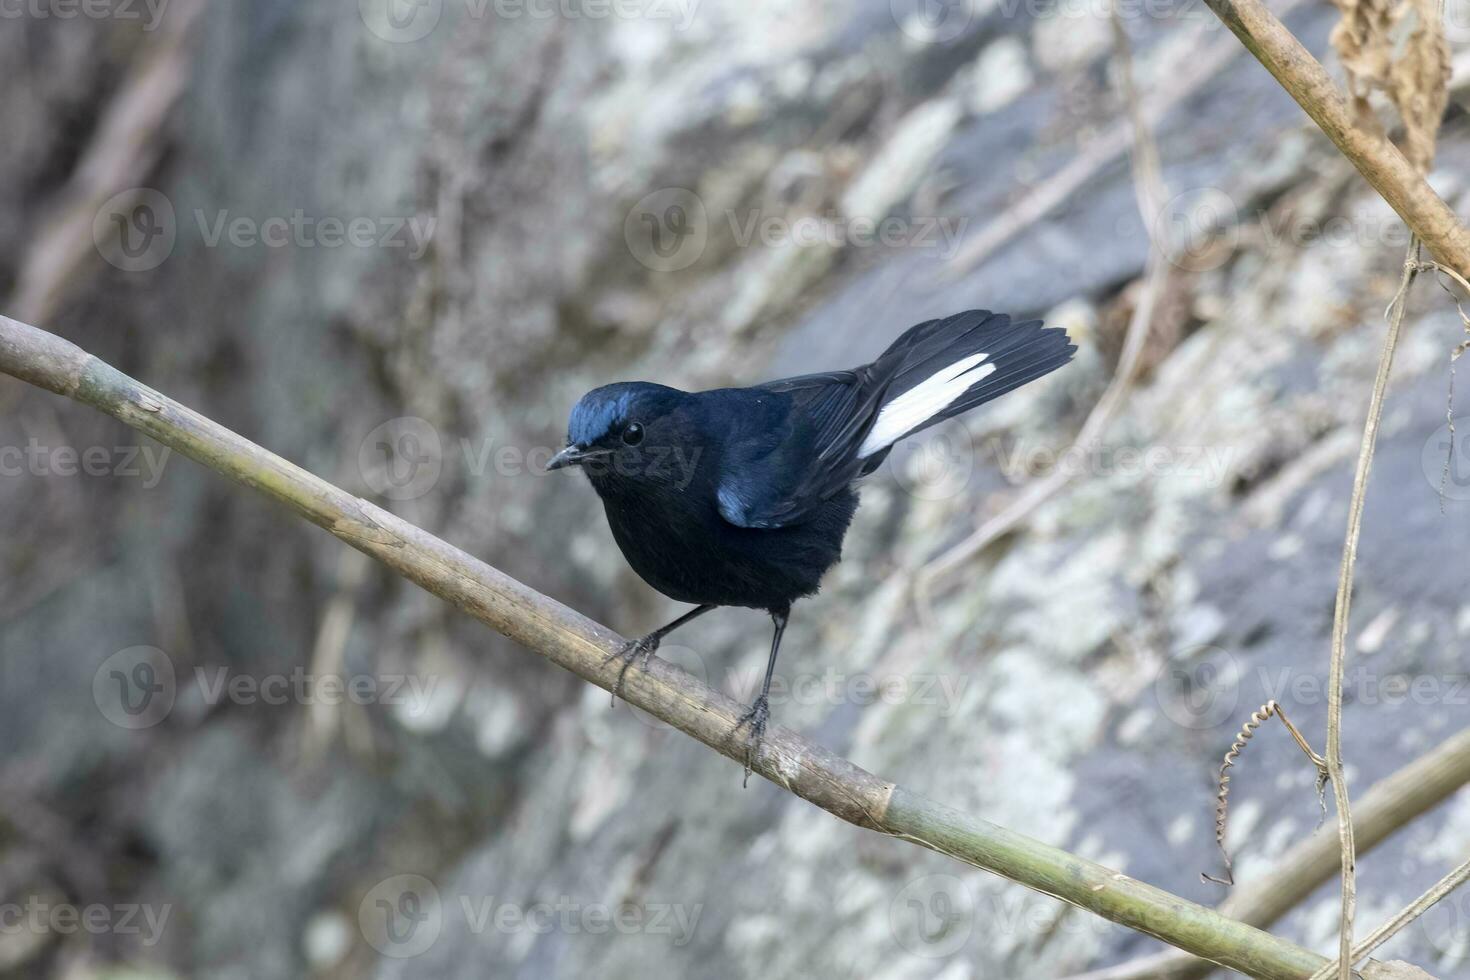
(394, 241)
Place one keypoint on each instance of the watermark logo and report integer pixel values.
(932, 21)
(138, 687)
(401, 459)
(1200, 226)
(135, 230)
(688, 660)
(936, 465)
(401, 21)
(932, 916)
(401, 916)
(1445, 460)
(135, 688)
(667, 230)
(1198, 687)
(1203, 227)
(1447, 927)
(670, 229)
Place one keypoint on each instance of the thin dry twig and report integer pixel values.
(127, 143)
(1194, 66)
(1151, 192)
(1343, 607)
(1393, 926)
(1222, 804)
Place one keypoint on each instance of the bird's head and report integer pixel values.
(633, 431)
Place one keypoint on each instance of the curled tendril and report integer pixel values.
(1222, 798)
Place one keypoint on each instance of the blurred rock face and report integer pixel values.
(394, 242)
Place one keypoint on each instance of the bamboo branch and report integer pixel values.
(580, 645)
(1377, 159)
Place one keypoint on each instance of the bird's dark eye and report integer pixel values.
(633, 434)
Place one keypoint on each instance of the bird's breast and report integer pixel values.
(679, 544)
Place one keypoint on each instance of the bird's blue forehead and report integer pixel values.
(596, 414)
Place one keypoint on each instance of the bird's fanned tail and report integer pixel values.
(943, 368)
(840, 425)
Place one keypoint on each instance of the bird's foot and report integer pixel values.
(756, 718)
(640, 650)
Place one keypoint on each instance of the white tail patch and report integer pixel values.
(922, 402)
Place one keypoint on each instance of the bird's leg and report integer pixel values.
(643, 647)
(760, 711)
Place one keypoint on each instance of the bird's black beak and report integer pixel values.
(572, 456)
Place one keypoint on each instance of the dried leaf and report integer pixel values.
(1398, 48)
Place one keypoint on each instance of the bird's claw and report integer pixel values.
(640, 650)
(756, 718)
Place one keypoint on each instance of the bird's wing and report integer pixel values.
(838, 426)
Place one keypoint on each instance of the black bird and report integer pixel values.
(742, 496)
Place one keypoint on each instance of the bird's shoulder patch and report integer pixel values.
(735, 508)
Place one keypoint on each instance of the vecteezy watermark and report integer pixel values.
(1208, 465)
(410, 691)
(669, 230)
(149, 11)
(933, 21)
(1102, 10)
(943, 21)
(1206, 687)
(1445, 459)
(1198, 687)
(137, 230)
(932, 916)
(834, 687)
(938, 694)
(935, 915)
(404, 458)
(936, 464)
(686, 659)
(1203, 226)
(1447, 927)
(37, 916)
(134, 462)
(138, 688)
(939, 464)
(402, 916)
(404, 21)
(835, 230)
(301, 230)
(135, 688)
